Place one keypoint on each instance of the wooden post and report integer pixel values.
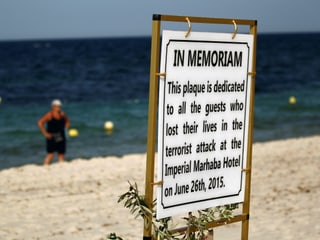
(152, 115)
(246, 203)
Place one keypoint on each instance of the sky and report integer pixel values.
(48, 19)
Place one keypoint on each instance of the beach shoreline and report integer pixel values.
(77, 199)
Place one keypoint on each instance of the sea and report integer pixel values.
(107, 79)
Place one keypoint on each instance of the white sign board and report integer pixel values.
(203, 118)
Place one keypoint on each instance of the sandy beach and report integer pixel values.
(77, 200)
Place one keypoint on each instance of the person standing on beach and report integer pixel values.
(56, 121)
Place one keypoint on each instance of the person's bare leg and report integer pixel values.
(60, 157)
(48, 158)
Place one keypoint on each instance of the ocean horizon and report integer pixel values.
(107, 79)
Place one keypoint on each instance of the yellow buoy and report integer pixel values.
(292, 100)
(108, 126)
(73, 132)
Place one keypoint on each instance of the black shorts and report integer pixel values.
(54, 146)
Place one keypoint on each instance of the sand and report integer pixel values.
(77, 200)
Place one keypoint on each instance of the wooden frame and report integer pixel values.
(152, 116)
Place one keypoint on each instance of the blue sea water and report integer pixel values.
(102, 80)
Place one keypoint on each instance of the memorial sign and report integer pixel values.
(204, 102)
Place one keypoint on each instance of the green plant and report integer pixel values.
(161, 228)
